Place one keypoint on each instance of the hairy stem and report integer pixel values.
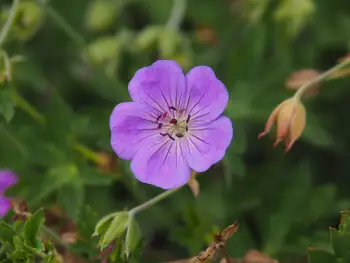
(177, 14)
(320, 78)
(6, 29)
(152, 201)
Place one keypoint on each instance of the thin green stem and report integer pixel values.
(177, 14)
(152, 201)
(86, 152)
(25, 106)
(65, 26)
(54, 236)
(6, 29)
(39, 117)
(8, 69)
(320, 78)
(18, 145)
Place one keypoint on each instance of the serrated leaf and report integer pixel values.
(321, 256)
(71, 197)
(116, 228)
(57, 176)
(340, 242)
(7, 105)
(32, 228)
(133, 236)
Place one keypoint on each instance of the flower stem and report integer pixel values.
(177, 14)
(321, 77)
(27, 107)
(152, 201)
(6, 29)
(65, 26)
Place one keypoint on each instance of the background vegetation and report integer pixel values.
(70, 62)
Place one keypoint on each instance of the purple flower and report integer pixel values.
(173, 125)
(7, 179)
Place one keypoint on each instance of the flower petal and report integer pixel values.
(7, 179)
(5, 205)
(132, 126)
(161, 86)
(207, 144)
(161, 165)
(207, 96)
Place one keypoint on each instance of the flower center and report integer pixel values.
(175, 124)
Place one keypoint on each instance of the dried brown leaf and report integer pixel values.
(300, 77)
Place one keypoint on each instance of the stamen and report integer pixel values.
(164, 115)
(179, 135)
(188, 118)
(173, 121)
(186, 128)
(172, 108)
(158, 118)
(167, 134)
(160, 125)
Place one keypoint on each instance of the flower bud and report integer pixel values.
(290, 118)
(100, 15)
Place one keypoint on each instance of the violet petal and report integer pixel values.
(161, 86)
(5, 205)
(161, 165)
(7, 179)
(207, 95)
(207, 144)
(133, 126)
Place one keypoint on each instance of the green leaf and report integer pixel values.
(116, 228)
(321, 201)
(345, 222)
(57, 177)
(7, 232)
(32, 228)
(315, 133)
(71, 197)
(133, 236)
(102, 223)
(340, 242)
(91, 176)
(7, 105)
(321, 256)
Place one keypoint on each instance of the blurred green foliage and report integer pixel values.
(66, 64)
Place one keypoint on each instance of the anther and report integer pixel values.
(164, 115)
(173, 121)
(172, 108)
(160, 125)
(158, 118)
(186, 128)
(188, 118)
(179, 135)
(167, 134)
